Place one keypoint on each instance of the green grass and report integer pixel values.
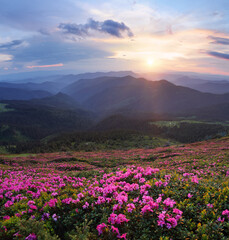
(6, 135)
(3, 150)
(134, 142)
(177, 123)
(21, 155)
(3, 108)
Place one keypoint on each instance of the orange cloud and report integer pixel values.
(47, 66)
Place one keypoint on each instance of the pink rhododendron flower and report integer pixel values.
(100, 228)
(112, 218)
(221, 219)
(136, 200)
(167, 177)
(159, 183)
(161, 219)
(130, 207)
(8, 204)
(31, 236)
(33, 207)
(190, 195)
(195, 179)
(146, 209)
(116, 207)
(17, 234)
(168, 225)
(158, 200)
(115, 230)
(86, 205)
(142, 180)
(122, 236)
(177, 211)
(54, 194)
(55, 217)
(117, 219)
(80, 195)
(121, 218)
(52, 202)
(45, 216)
(226, 212)
(169, 202)
(67, 201)
(161, 223)
(209, 205)
(31, 203)
(172, 221)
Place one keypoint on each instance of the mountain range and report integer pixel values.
(105, 95)
(7, 93)
(218, 87)
(76, 103)
(129, 94)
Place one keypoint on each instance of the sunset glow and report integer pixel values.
(47, 66)
(150, 62)
(120, 35)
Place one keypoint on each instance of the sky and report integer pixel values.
(96, 35)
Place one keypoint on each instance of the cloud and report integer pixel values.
(219, 55)
(5, 57)
(71, 28)
(11, 44)
(52, 51)
(47, 66)
(108, 26)
(115, 28)
(220, 40)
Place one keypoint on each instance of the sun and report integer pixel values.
(150, 62)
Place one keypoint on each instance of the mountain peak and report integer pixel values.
(166, 82)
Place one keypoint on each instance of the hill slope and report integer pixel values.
(210, 86)
(39, 118)
(180, 192)
(7, 93)
(109, 94)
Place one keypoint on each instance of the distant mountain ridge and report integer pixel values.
(107, 95)
(55, 83)
(218, 87)
(71, 78)
(21, 94)
(59, 100)
(127, 93)
(51, 87)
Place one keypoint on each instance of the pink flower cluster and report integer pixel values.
(224, 213)
(117, 219)
(127, 192)
(165, 219)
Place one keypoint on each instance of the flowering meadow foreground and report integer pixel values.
(176, 192)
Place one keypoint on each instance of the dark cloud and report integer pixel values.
(76, 29)
(115, 28)
(109, 26)
(218, 40)
(219, 55)
(11, 44)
